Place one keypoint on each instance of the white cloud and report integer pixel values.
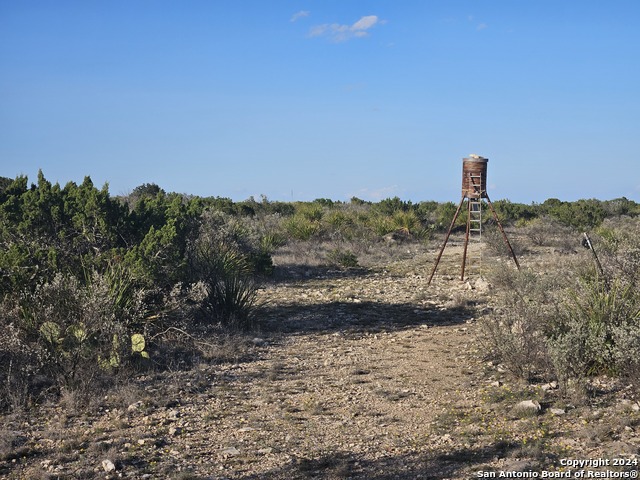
(340, 33)
(365, 23)
(299, 15)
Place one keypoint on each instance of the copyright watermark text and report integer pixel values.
(623, 468)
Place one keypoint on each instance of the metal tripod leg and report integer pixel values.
(446, 239)
(504, 235)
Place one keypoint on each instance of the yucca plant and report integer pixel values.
(226, 272)
(311, 211)
(300, 227)
(381, 225)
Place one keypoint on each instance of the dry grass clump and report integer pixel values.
(515, 332)
(308, 258)
(548, 232)
(496, 245)
(617, 240)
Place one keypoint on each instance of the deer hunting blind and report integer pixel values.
(474, 190)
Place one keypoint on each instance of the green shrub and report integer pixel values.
(390, 206)
(45, 229)
(585, 338)
(580, 214)
(443, 216)
(71, 332)
(342, 258)
(551, 325)
(511, 213)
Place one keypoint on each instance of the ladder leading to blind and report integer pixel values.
(474, 227)
(474, 260)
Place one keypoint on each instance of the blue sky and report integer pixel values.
(306, 99)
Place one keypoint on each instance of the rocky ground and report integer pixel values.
(367, 374)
